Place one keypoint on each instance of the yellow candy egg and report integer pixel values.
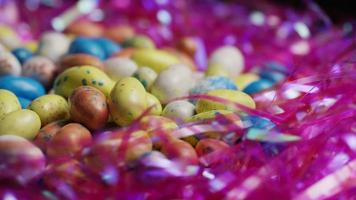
(216, 70)
(127, 101)
(74, 77)
(233, 96)
(208, 115)
(244, 80)
(24, 123)
(8, 102)
(154, 102)
(157, 60)
(50, 108)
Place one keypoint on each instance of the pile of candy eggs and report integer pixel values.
(91, 98)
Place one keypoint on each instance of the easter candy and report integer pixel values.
(22, 54)
(31, 45)
(53, 45)
(108, 46)
(208, 145)
(24, 102)
(229, 95)
(119, 33)
(41, 69)
(258, 122)
(74, 77)
(88, 107)
(216, 70)
(8, 102)
(273, 76)
(157, 60)
(9, 65)
(46, 134)
(276, 67)
(2, 48)
(187, 45)
(244, 80)
(173, 82)
(209, 115)
(180, 110)
(213, 83)
(140, 41)
(79, 59)
(50, 107)
(146, 76)
(258, 86)
(22, 86)
(183, 58)
(118, 68)
(86, 46)
(8, 37)
(153, 102)
(85, 28)
(180, 150)
(124, 53)
(127, 101)
(24, 123)
(21, 161)
(69, 141)
(229, 58)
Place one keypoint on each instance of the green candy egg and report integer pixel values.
(8, 102)
(74, 77)
(50, 108)
(24, 123)
(154, 102)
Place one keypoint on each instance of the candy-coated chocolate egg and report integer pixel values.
(8, 37)
(140, 42)
(22, 86)
(88, 107)
(157, 60)
(118, 68)
(173, 82)
(53, 45)
(258, 86)
(21, 161)
(273, 76)
(24, 123)
(232, 96)
(22, 54)
(50, 107)
(276, 67)
(9, 65)
(74, 77)
(209, 115)
(31, 45)
(8, 102)
(85, 28)
(187, 45)
(183, 58)
(208, 145)
(244, 80)
(46, 134)
(258, 122)
(24, 102)
(180, 150)
(86, 46)
(108, 46)
(69, 141)
(146, 76)
(229, 58)
(216, 70)
(127, 101)
(153, 102)
(79, 59)
(120, 33)
(180, 110)
(41, 69)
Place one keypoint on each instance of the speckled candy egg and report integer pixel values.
(22, 54)
(153, 102)
(180, 110)
(108, 46)
(50, 108)
(8, 102)
(74, 77)
(41, 69)
(24, 123)
(118, 68)
(228, 58)
(21, 161)
(140, 41)
(46, 133)
(87, 46)
(173, 82)
(146, 76)
(9, 65)
(180, 150)
(53, 45)
(88, 107)
(78, 59)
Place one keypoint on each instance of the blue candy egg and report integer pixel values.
(258, 122)
(24, 102)
(24, 87)
(273, 76)
(258, 86)
(277, 67)
(109, 47)
(22, 54)
(87, 46)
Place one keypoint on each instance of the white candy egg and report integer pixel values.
(53, 45)
(118, 68)
(180, 110)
